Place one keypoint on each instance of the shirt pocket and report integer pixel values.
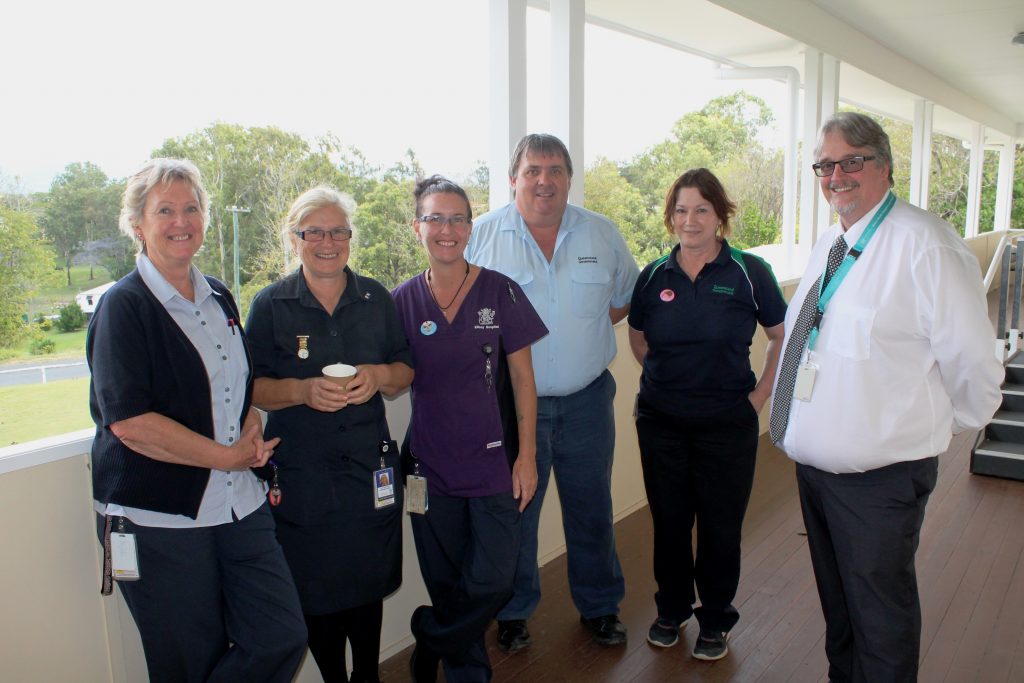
(525, 281)
(850, 331)
(590, 290)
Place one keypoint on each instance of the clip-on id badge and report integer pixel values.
(124, 555)
(383, 482)
(805, 376)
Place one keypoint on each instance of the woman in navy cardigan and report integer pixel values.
(176, 437)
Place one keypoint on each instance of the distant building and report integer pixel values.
(88, 299)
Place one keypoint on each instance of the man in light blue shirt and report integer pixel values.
(578, 273)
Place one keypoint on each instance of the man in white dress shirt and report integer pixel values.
(894, 358)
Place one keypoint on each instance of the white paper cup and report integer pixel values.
(339, 373)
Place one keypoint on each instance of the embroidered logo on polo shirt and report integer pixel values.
(722, 289)
(586, 259)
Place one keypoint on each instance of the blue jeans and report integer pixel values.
(575, 436)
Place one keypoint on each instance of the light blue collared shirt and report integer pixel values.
(591, 271)
(220, 346)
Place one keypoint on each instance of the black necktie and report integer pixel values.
(783, 400)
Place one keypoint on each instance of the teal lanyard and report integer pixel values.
(837, 279)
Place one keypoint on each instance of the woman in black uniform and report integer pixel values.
(339, 516)
(692, 319)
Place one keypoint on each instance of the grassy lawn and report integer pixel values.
(32, 411)
(49, 298)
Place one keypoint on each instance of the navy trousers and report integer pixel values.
(467, 549)
(215, 603)
(863, 530)
(698, 470)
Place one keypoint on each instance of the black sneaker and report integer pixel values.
(606, 630)
(664, 632)
(711, 645)
(513, 636)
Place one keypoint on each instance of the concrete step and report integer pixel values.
(1013, 397)
(998, 459)
(1006, 425)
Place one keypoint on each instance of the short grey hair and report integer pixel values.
(158, 171)
(542, 144)
(859, 130)
(314, 199)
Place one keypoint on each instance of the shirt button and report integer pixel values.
(202, 322)
(229, 483)
(223, 357)
(218, 347)
(197, 312)
(227, 388)
(334, 333)
(230, 439)
(227, 400)
(231, 429)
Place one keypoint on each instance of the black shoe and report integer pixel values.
(606, 630)
(664, 632)
(711, 645)
(513, 636)
(423, 665)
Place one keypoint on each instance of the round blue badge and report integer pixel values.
(428, 328)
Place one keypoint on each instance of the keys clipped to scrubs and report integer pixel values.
(416, 492)
(488, 375)
(384, 481)
(274, 493)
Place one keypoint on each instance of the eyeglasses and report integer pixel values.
(317, 235)
(457, 221)
(825, 169)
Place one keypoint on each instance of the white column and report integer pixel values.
(829, 106)
(977, 143)
(508, 92)
(568, 19)
(809, 193)
(921, 153)
(1004, 188)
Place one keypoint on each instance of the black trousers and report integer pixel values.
(467, 550)
(215, 603)
(360, 627)
(698, 469)
(863, 530)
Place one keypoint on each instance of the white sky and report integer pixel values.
(108, 81)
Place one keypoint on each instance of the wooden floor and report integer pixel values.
(970, 571)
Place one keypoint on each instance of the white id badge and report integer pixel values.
(805, 375)
(124, 557)
(416, 494)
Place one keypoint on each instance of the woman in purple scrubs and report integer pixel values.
(463, 323)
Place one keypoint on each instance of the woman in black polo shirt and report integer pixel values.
(693, 316)
(339, 517)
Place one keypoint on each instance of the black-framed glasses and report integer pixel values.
(456, 221)
(317, 234)
(824, 169)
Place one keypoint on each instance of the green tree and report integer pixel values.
(610, 194)
(385, 247)
(25, 262)
(77, 210)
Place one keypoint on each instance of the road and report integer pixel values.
(33, 372)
